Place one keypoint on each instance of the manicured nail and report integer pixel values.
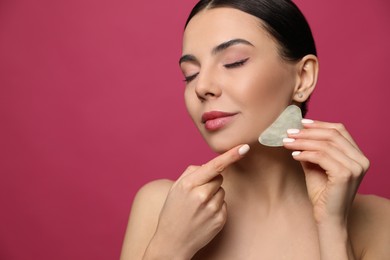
(296, 153)
(307, 121)
(293, 131)
(288, 140)
(243, 149)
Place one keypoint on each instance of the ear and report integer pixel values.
(307, 73)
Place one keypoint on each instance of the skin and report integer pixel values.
(266, 203)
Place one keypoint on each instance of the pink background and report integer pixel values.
(91, 108)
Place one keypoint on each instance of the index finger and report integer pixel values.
(217, 165)
(337, 126)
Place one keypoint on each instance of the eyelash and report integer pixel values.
(190, 78)
(228, 66)
(236, 64)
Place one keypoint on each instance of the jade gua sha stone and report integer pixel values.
(290, 118)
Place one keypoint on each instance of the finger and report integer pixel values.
(217, 165)
(331, 153)
(220, 216)
(339, 173)
(308, 123)
(332, 139)
(209, 189)
(204, 193)
(190, 169)
(217, 201)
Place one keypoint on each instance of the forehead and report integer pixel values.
(210, 27)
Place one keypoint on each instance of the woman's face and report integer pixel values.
(237, 83)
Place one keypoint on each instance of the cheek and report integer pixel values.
(264, 89)
(189, 100)
(264, 96)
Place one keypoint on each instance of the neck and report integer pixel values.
(269, 175)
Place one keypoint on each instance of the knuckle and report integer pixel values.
(218, 166)
(213, 207)
(339, 126)
(221, 217)
(191, 168)
(186, 185)
(202, 197)
(320, 156)
(358, 170)
(366, 164)
(333, 132)
(317, 155)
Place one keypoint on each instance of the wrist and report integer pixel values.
(162, 249)
(334, 240)
(333, 230)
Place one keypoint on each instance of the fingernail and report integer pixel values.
(288, 140)
(307, 121)
(243, 149)
(296, 153)
(293, 131)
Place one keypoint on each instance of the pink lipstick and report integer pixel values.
(215, 120)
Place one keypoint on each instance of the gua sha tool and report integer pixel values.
(290, 118)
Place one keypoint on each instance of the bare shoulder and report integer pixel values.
(153, 192)
(371, 209)
(370, 226)
(143, 220)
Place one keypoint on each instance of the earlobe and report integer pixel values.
(307, 72)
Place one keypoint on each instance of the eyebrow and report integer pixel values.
(217, 49)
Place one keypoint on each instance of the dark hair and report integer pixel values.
(280, 18)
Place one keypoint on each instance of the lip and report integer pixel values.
(215, 120)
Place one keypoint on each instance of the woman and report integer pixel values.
(244, 62)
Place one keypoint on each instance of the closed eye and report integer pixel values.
(236, 64)
(188, 79)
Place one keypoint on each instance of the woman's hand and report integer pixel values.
(333, 164)
(194, 211)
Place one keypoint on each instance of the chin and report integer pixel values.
(221, 144)
(220, 149)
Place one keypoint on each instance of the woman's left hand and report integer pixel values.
(333, 164)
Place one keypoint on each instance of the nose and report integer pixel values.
(207, 86)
